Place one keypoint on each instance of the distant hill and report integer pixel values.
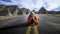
(44, 11)
(12, 10)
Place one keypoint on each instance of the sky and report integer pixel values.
(50, 5)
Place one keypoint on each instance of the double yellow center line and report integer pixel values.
(29, 29)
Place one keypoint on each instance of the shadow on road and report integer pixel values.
(16, 26)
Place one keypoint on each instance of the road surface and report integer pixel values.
(48, 24)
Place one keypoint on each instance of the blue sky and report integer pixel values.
(34, 4)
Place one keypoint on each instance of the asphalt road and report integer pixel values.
(48, 24)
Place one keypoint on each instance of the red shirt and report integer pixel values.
(35, 20)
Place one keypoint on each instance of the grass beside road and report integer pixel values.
(57, 15)
(6, 17)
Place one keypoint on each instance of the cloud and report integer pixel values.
(57, 9)
(30, 4)
(6, 0)
(34, 4)
(52, 4)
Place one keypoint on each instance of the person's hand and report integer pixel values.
(33, 17)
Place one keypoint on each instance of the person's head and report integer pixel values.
(32, 13)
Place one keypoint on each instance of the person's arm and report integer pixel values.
(29, 20)
(35, 19)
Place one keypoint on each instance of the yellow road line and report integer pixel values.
(35, 29)
(28, 30)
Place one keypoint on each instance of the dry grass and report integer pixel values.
(6, 17)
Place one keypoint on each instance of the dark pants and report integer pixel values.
(32, 21)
